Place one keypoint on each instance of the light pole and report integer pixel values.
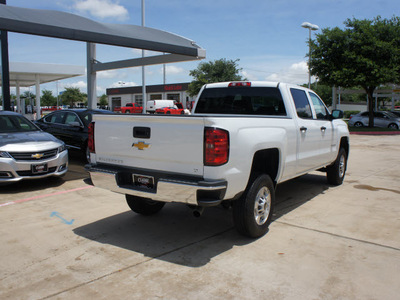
(310, 27)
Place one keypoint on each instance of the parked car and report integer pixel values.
(153, 105)
(396, 112)
(26, 152)
(131, 108)
(381, 119)
(173, 110)
(71, 126)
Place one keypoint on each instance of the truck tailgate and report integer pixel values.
(173, 144)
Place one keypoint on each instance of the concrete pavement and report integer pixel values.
(64, 239)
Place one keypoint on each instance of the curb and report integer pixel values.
(376, 133)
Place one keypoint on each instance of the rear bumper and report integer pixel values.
(168, 188)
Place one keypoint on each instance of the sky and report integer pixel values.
(264, 35)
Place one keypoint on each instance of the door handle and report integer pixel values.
(303, 129)
(323, 129)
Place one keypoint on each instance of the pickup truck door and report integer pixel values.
(315, 131)
(309, 132)
(327, 144)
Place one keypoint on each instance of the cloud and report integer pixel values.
(123, 84)
(172, 70)
(80, 84)
(102, 9)
(108, 74)
(249, 76)
(297, 73)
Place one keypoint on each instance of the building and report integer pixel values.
(122, 95)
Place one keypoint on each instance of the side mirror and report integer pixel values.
(337, 114)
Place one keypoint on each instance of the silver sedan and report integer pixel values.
(26, 152)
(381, 119)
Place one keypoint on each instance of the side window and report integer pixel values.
(301, 102)
(56, 118)
(320, 109)
(71, 118)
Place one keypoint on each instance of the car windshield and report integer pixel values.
(15, 123)
(241, 100)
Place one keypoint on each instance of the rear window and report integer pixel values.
(242, 101)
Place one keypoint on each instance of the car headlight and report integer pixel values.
(4, 154)
(62, 148)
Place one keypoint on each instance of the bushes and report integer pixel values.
(348, 113)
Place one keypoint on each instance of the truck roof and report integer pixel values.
(252, 83)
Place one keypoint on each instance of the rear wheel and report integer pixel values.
(143, 206)
(252, 213)
(358, 124)
(86, 153)
(336, 172)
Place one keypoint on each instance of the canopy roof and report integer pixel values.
(69, 26)
(27, 74)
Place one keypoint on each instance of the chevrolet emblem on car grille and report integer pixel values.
(37, 155)
(141, 145)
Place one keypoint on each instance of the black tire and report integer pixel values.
(393, 126)
(336, 172)
(358, 124)
(86, 153)
(168, 112)
(252, 213)
(144, 206)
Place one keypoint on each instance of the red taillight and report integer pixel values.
(234, 84)
(91, 138)
(216, 147)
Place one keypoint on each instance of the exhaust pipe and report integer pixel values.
(198, 211)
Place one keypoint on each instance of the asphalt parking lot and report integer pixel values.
(64, 239)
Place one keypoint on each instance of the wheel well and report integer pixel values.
(344, 143)
(266, 162)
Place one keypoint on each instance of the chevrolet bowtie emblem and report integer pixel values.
(141, 145)
(37, 155)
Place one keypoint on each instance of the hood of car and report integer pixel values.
(28, 141)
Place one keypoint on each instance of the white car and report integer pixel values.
(26, 152)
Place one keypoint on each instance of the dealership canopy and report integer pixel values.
(72, 27)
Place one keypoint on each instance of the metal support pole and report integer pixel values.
(144, 96)
(309, 58)
(37, 77)
(5, 68)
(91, 75)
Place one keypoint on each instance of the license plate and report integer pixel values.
(143, 181)
(41, 168)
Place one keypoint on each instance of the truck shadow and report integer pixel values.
(175, 236)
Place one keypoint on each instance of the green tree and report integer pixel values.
(72, 95)
(324, 91)
(103, 100)
(214, 71)
(365, 54)
(48, 99)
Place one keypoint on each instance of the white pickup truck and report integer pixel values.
(242, 139)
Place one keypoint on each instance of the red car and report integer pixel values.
(170, 111)
(131, 108)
